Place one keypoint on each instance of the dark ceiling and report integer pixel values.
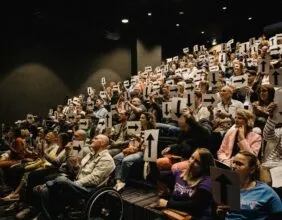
(97, 19)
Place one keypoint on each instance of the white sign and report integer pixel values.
(108, 120)
(222, 58)
(175, 58)
(151, 145)
(133, 127)
(90, 105)
(103, 94)
(240, 81)
(90, 91)
(264, 66)
(275, 50)
(186, 50)
(166, 108)
(210, 100)
(69, 101)
(168, 60)
(101, 126)
(252, 41)
(147, 91)
(276, 176)
(226, 187)
(189, 87)
(51, 112)
(213, 77)
(196, 48)
(278, 101)
(103, 81)
(76, 147)
(244, 48)
(275, 77)
(148, 69)
(83, 124)
(114, 109)
(116, 88)
(173, 89)
(169, 82)
(177, 105)
(126, 83)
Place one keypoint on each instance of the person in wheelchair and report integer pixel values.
(94, 171)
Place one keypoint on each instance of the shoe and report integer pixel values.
(119, 186)
(22, 214)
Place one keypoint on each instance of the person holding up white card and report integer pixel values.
(258, 200)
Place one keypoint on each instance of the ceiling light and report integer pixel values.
(177, 25)
(202, 32)
(181, 13)
(125, 20)
(250, 18)
(224, 8)
(149, 14)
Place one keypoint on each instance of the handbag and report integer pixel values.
(133, 147)
(173, 214)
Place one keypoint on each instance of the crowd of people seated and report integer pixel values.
(47, 162)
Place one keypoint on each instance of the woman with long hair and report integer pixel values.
(191, 186)
(258, 200)
(240, 137)
(133, 153)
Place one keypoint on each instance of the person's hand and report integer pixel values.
(68, 147)
(165, 151)
(272, 109)
(222, 210)
(241, 133)
(162, 203)
(222, 115)
(74, 161)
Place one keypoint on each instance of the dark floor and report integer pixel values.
(136, 204)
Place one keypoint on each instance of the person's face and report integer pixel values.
(143, 120)
(98, 103)
(135, 102)
(197, 99)
(263, 94)
(237, 69)
(225, 93)
(41, 134)
(240, 164)
(194, 164)
(240, 121)
(251, 78)
(96, 143)
(71, 106)
(165, 90)
(49, 137)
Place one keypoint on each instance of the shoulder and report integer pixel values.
(205, 183)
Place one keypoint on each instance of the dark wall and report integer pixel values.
(37, 73)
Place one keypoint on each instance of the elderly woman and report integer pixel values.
(239, 137)
(258, 200)
(191, 186)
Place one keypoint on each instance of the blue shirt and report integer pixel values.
(257, 203)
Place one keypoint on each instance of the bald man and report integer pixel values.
(227, 107)
(94, 169)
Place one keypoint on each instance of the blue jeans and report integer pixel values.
(123, 164)
(60, 192)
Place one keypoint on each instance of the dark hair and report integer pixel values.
(150, 119)
(206, 161)
(271, 94)
(258, 172)
(64, 138)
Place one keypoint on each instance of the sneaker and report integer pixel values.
(22, 214)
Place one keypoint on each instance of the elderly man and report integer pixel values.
(94, 170)
(228, 106)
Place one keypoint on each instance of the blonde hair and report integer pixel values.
(248, 116)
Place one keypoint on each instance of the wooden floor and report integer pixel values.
(136, 204)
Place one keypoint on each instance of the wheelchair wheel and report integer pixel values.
(105, 204)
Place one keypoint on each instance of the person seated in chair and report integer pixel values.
(94, 169)
(191, 186)
(258, 200)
